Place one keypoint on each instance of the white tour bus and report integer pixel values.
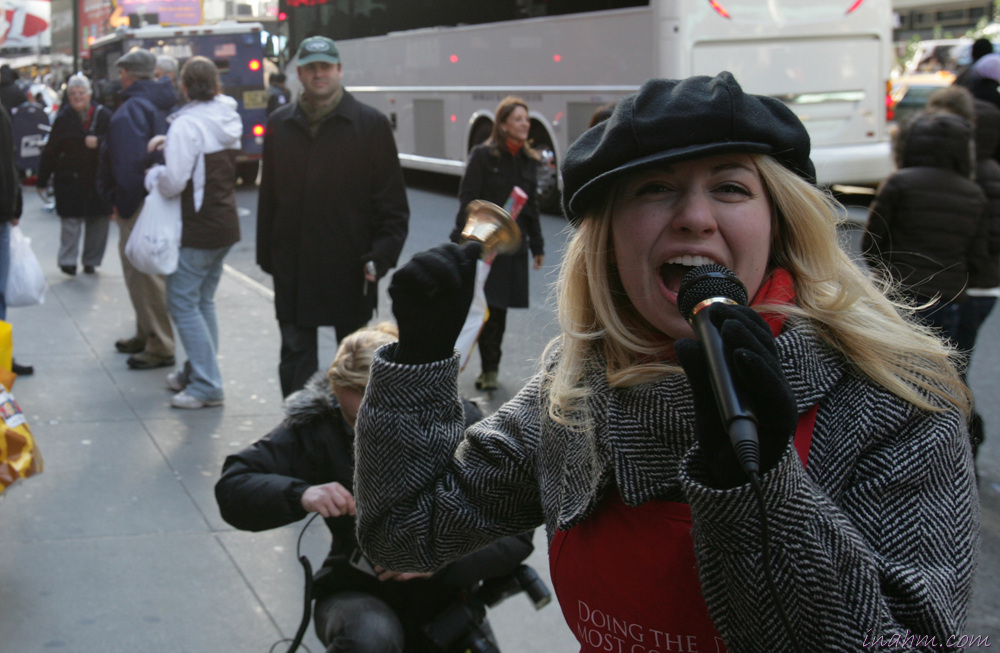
(438, 68)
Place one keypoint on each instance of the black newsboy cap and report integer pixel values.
(675, 120)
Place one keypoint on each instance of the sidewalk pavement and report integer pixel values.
(118, 545)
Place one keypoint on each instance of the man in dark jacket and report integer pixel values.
(124, 160)
(332, 215)
(11, 93)
(10, 214)
(277, 93)
(980, 48)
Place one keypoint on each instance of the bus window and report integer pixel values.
(346, 19)
(444, 64)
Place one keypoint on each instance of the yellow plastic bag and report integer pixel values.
(19, 455)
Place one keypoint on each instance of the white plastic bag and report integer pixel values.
(155, 241)
(25, 281)
(478, 313)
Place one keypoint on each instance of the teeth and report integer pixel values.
(690, 261)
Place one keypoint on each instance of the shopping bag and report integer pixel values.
(478, 314)
(19, 455)
(155, 242)
(25, 280)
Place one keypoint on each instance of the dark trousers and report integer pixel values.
(490, 339)
(300, 354)
(355, 622)
(943, 317)
(971, 315)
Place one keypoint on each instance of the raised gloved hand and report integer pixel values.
(431, 296)
(753, 362)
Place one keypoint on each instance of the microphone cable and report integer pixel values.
(765, 547)
(701, 287)
(307, 596)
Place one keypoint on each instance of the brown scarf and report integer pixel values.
(315, 115)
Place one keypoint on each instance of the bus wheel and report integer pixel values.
(548, 179)
(481, 132)
(246, 172)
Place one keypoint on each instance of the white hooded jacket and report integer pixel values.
(196, 129)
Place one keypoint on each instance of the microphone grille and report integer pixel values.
(706, 281)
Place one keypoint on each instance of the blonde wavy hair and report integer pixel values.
(352, 365)
(862, 318)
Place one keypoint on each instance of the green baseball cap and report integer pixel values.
(318, 48)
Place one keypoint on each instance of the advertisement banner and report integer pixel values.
(25, 24)
(95, 22)
(169, 12)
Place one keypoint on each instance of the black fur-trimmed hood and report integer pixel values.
(312, 403)
(937, 139)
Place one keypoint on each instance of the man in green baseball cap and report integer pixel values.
(319, 71)
(332, 215)
(318, 48)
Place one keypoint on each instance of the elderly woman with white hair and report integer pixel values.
(69, 160)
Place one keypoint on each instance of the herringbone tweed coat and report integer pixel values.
(876, 537)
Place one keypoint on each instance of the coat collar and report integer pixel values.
(347, 109)
(642, 433)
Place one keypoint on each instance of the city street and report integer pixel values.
(119, 547)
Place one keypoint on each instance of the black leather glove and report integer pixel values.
(753, 361)
(431, 296)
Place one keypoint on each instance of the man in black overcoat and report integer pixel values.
(332, 215)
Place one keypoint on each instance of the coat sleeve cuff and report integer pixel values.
(411, 387)
(729, 518)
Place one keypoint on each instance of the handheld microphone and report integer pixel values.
(700, 289)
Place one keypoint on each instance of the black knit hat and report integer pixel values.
(676, 120)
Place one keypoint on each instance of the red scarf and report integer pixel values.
(514, 146)
(90, 116)
(777, 289)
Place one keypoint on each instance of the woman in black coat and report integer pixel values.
(70, 160)
(504, 161)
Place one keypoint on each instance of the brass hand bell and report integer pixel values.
(493, 227)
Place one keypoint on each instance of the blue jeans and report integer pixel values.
(191, 302)
(4, 266)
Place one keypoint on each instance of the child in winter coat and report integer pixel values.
(928, 224)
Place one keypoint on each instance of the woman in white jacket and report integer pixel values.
(200, 166)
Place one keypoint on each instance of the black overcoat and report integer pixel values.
(328, 204)
(491, 175)
(72, 165)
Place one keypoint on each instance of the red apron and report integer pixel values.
(627, 579)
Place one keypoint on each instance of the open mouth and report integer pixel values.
(672, 272)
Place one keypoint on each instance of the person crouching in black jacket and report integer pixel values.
(306, 465)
